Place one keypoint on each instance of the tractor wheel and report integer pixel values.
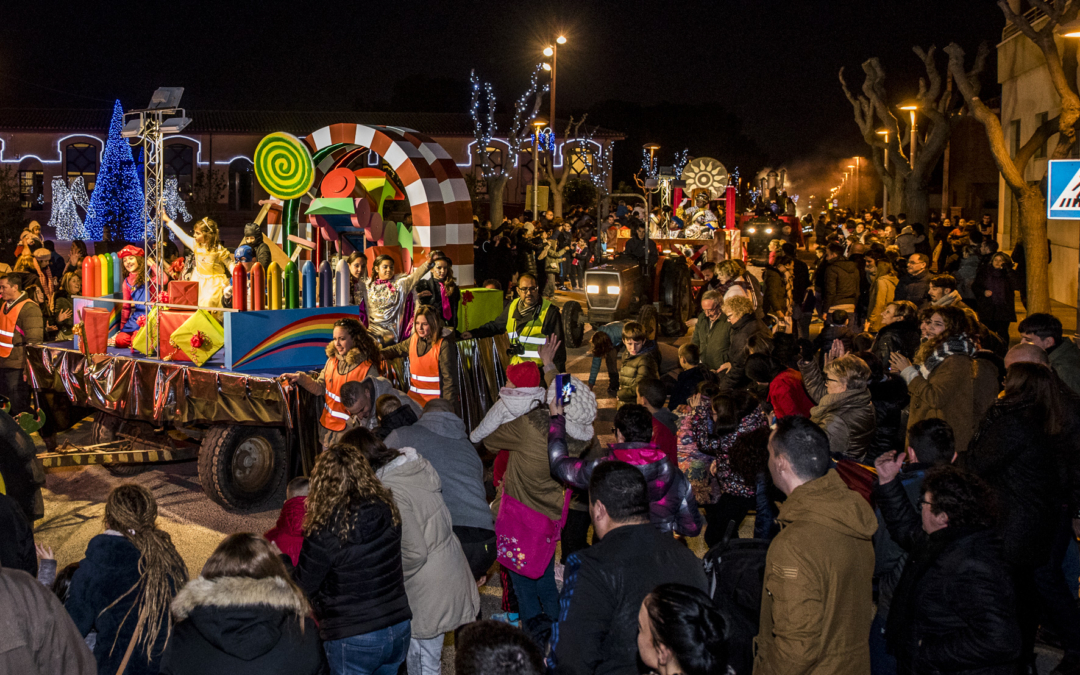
(573, 324)
(108, 428)
(677, 297)
(243, 468)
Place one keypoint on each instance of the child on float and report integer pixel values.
(132, 316)
(213, 262)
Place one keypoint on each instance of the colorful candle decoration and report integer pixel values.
(258, 293)
(239, 287)
(118, 273)
(95, 277)
(104, 275)
(310, 281)
(292, 286)
(342, 281)
(273, 273)
(326, 285)
(88, 276)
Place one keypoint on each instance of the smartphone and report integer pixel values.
(564, 387)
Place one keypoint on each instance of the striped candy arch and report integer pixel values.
(437, 194)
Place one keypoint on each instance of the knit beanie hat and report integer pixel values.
(252, 230)
(580, 412)
(524, 374)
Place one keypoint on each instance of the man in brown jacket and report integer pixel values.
(816, 607)
(20, 325)
(37, 637)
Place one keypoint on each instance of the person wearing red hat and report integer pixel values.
(132, 316)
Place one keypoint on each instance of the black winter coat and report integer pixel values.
(890, 397)
(601, 597)
(1020, 462)
(775, 290)
(901, 336)
(435, 299)
(356, 586)
(746, 327)
(914, 288)
(1001, 305)
(954, 609)
(16, 538)
(110, 568)
(241, 626)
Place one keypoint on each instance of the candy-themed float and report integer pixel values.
(194, 385)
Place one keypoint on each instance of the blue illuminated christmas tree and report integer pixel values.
(116, 206)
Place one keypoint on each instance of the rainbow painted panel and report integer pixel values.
(283, 338)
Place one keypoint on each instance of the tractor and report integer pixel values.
(617, 291)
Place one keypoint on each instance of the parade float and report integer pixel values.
(203, 381)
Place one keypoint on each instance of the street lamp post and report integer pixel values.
(911, 107)
(538, 124)
(553, 52)
(652, 148)
(885, 188)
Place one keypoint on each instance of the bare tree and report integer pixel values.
(557, 182)
(1030, 198)
(907, 182)
(485, 129)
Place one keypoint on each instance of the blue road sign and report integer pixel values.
(1063, 185)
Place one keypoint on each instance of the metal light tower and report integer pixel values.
(152, 124)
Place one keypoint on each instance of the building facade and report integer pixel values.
(1027, 100)
(212, 158)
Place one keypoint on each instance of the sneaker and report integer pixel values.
(511, 618)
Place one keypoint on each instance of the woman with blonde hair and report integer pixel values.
(946, 381)
(350, 565)
(432, 354)
(213, 262)
(124, 585)
(243, 615)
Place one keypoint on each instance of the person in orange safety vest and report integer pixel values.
(432, 354)
(352, 356)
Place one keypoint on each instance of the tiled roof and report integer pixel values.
(254, 121)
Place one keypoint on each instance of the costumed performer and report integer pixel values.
(432, 354)
(212, 261)
(132, 316)
(386, 298)
(440, 291)
(351, 356)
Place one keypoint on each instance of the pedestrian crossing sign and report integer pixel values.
(1063, 190)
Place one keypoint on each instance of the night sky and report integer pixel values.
(772, 63)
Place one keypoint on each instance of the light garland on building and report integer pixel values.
(524, 113)
(65, 217)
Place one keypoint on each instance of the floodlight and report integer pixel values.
(175, 125)
(133, 129)
(166, 97)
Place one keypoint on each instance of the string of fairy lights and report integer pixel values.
(482, 105)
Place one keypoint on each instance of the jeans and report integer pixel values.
(379, 652)
(765, 526)
(536, 596)
(881, 661)
(425, 656)
(575, 535)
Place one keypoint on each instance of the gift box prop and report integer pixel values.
(93, 331)
(79, 306)
(169, 322)
(184, 293)
(197, 338)
(478, 306)
(145, 340)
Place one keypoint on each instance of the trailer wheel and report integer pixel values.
(573, 324)
(108, 428)
(243, 467)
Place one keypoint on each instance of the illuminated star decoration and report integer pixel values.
(65, 217)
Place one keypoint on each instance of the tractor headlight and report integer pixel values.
(614, 290)
(768, 230)
(751, 230)
(592, 288)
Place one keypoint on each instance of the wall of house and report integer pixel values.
(1026, 92)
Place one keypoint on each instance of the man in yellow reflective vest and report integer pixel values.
(527, 321)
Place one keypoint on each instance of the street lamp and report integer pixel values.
(538, 124)
(552, 51)
(911, 107)
(857, 191)
(885, 188)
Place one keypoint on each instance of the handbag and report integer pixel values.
(526, 538)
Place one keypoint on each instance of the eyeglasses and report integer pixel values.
(528, 289)
(923, 502)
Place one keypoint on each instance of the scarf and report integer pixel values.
(446, 313)
(957, 344)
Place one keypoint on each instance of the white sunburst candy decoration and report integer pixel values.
(705, 173)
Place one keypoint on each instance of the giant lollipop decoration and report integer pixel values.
(284, 166)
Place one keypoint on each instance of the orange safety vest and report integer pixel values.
(424, 373)
(334, 415)
(8, 320)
